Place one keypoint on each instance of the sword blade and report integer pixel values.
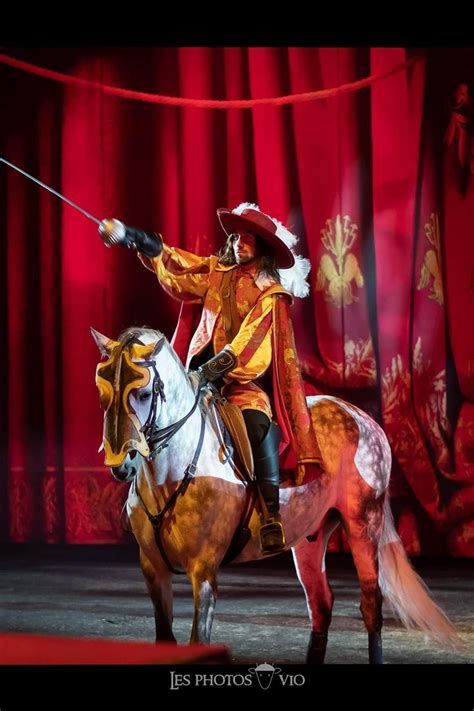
(55, 192)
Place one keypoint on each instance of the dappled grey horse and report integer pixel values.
(187, 499)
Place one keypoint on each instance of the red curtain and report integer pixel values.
(377, 183)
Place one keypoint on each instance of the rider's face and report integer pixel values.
(244, 246)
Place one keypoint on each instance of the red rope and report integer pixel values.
(205, 103)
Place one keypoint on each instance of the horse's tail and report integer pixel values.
(408, 595)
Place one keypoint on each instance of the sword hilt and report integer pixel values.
(114, 232)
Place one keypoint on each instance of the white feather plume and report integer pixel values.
(293, 279)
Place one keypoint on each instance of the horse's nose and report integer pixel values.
(123, 474)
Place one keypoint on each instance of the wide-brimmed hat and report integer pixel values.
(292, 268)
(249, 218)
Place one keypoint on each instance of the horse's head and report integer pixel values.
(130, 391)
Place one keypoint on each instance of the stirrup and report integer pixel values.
(272, 536)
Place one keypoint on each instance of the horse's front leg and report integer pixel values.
(204, 581)
(159, 583)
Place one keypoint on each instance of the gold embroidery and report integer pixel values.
(432, 406)
(359, 361)
(431, 268)
(402, 431)
(338, 238)
(399, 419)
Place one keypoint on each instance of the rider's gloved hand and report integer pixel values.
(213, 370)
(218, 366)
(115, 232)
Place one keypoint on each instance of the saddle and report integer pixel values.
(234, 423)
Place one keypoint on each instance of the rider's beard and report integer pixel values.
(246, 259)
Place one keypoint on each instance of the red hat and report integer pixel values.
(248, 218)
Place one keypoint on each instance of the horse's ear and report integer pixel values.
(158, 346)
(104, 344)
(143, 352)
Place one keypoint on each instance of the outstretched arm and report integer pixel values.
(183, 275)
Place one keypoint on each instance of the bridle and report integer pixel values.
(157, 438)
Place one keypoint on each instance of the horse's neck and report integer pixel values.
(171, 463)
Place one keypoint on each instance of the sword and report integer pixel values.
(47, 187)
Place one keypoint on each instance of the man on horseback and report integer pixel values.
(243, 342)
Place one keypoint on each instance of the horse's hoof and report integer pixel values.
(375, 648)
(316, 648)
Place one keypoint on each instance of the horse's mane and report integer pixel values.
(138, 331)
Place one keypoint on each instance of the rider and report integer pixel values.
(244, 340)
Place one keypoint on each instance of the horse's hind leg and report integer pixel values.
(158, 582)
(363, 535)
(309, 557)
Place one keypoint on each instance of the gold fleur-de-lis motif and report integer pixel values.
(431, 267)
(340, 271)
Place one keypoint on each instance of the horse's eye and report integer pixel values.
(144, 396)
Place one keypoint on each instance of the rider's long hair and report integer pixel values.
(268, 264)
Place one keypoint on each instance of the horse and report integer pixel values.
(188, 497)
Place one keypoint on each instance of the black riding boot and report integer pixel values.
(267, 472)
